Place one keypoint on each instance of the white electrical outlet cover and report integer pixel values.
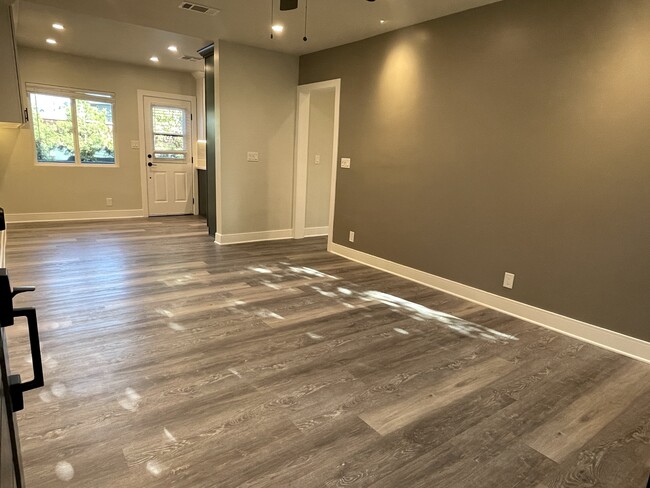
(345, 162)
(351, 236)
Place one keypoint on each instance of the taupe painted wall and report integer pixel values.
(257, 105)
(513, 137)
(319, 176)
(28, 188)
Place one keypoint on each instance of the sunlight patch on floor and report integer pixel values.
(131, 400)
(64, 471)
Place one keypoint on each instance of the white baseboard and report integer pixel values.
(267, 235)
(62, 216)
(598, 336)
(316, 231)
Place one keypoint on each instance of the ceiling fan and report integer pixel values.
(293, 4)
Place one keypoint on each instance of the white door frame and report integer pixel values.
(301, 152)
(143, 151)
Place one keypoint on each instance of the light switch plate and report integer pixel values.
(253, 157)
(135, 144)
(508, 280)
(345, 162)
(317, 159)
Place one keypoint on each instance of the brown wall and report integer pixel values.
(513, 137)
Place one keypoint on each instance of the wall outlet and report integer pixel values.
(351, 236)
(508, 280)
(317, 159)
(253, 157)
(109, 202)
(345, 162)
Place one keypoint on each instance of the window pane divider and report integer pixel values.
(75, 132)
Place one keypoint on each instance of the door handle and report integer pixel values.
(16, 387)
(151, 164)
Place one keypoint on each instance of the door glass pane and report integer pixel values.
(169, 132)
(169, 156)
(168, 143)
(52, 120)
(95, 126)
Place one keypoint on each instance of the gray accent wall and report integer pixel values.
(513, 137)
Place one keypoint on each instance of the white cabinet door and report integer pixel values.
(11, 108)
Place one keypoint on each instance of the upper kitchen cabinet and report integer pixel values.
(11, 104)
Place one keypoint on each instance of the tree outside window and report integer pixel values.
(72, 130)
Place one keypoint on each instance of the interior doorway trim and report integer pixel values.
(143, 156)
(302, 154)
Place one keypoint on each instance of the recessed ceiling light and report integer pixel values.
(50, 41)
(173, 49)
(382, 21)
(277, 28)
(58, 26)
(154, 59)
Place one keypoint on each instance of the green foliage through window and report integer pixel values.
(169, 132)
(72, 130)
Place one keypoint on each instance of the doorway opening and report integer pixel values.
(317, 140)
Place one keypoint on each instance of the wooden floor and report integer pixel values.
(173, 362)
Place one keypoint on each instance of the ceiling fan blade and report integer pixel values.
(288, 4)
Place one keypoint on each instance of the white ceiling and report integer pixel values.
(95, 37)
(112, 30)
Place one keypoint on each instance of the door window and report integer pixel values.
(170, 133)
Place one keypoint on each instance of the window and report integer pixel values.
(169, 132)
(72, 127)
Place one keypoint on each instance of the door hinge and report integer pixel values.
(192, 200)
(191, 116)
(26, 115)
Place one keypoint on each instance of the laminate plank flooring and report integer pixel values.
(173, 362)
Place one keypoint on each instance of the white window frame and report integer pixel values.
(73, 94)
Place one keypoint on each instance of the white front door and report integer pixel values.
(168, 144)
